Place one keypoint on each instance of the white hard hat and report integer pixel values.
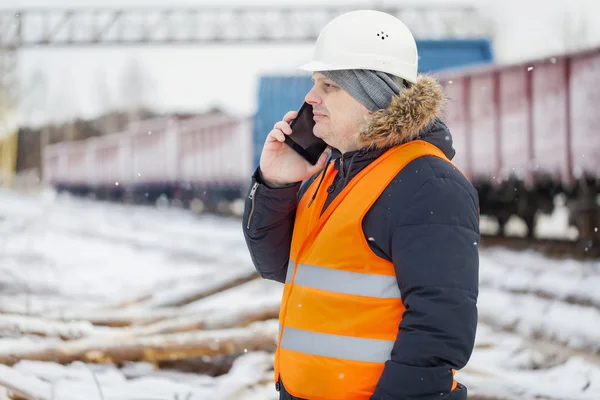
(366, 39)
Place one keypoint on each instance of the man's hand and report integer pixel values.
(279, 164)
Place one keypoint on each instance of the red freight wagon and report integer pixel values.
(480, 111)
(549, 121)
(456, 115)
(215, 150)
(78, 166)
(52, 159)
(153, 151)
(526, 132)
(111, 155)
(214, 160)
(202, 160)
(585, 114)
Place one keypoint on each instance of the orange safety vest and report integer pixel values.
(341, 305)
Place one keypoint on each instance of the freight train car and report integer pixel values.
(200, 161)
(527, 132)
(111, 158)
(65, 166)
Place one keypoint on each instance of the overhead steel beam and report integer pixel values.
(202, 25)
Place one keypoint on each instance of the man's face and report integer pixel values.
(338, 116)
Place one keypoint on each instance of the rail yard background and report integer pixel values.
(127, 141)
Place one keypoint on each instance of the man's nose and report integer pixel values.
(312, 97)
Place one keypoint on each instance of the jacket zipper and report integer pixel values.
(251, 197)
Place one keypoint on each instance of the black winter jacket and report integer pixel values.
(426, 222)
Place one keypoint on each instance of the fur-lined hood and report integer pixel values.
(408, 115)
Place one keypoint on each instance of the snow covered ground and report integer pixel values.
(63, 259)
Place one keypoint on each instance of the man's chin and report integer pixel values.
(318, 132)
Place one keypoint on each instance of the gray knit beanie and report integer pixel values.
(373, 89)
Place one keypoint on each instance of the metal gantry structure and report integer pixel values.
(85, 27)
(165, 26)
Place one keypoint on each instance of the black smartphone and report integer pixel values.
(302, 138)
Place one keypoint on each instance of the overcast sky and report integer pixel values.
(84, 82)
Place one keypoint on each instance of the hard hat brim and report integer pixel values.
(316, 66)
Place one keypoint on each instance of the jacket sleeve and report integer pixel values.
(268, 223)
(435, 253)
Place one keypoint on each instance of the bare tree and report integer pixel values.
(135, 88)
(34, 102)
(33, 96)
(106, 102)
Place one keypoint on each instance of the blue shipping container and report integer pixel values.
(278, 94)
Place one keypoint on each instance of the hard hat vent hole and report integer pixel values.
(382, 35)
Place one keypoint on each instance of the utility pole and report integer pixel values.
(10, 30)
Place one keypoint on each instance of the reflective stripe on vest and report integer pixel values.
(336, 346)
(346, 282)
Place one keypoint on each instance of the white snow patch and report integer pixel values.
(531, 272)
(498, 367)
(79, 381)
(529, 315)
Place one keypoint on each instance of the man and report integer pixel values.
(377, 244)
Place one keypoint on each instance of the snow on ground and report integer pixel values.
(109, 253)
(506, 365)
(140, 381)
(539, 318)
(554, 299)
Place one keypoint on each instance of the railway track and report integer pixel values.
(555, 248)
